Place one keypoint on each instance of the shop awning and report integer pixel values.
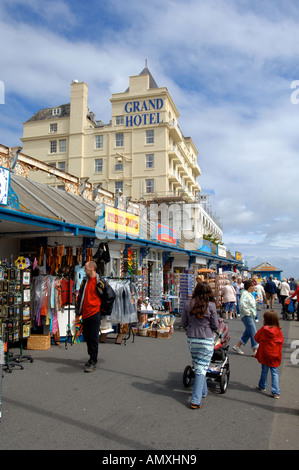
(43, 208)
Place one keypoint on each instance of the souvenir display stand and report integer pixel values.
(156, 324)
(212, 278)
(15, 294)
(187, 285)
(222, 278)
(172, 292)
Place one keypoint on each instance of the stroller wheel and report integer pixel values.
(224, 381)
(188, 376)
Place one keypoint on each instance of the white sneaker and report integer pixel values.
(237, 349)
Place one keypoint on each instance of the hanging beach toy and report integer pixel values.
(21, 262)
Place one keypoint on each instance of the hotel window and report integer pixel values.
(119, 186)
(56, 111)
(150, 137)
(62, 145)
(149, 161)
(53, 146)
(98, 165)
(53, 127)
(118, 167)
(119, 140)
(53, 165)
(119, 120)
(149, 186)
(61, 166)
(99, 141)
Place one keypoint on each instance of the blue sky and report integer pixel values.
(228, 65)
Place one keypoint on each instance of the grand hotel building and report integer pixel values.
(141, 154)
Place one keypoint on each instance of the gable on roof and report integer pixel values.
(152, 81)
(265, 267)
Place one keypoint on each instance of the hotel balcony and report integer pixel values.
(159, 197)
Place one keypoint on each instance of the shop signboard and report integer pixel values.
(205, 246)
(221, 251)
(165, 234)
(238, 256)
(117, 220)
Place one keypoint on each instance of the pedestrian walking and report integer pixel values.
(270, 290)
(269, 353)
(284, 294)
(201, 321)
(262, 295)
(239, 286)
(248, 314)
(228, 294)
(278, 287)
(92, 296)
(296, 294)
(257, 299)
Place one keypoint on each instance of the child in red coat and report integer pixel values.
(269, 353)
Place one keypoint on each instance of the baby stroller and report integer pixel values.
(218, 370)
(288, 310)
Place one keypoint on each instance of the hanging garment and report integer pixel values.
(79, 276)
(102, 254)
(125, 304)
(67, 290)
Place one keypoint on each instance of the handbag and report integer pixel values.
(291, 308)
(287, 301)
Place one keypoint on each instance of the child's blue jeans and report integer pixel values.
(274, 379)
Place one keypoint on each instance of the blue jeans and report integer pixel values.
(199, 389)
(250, 331)
(238, 296)
(274, 379)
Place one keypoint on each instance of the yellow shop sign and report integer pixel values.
(117, 220)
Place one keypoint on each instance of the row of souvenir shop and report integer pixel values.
(47, 235)
(40, 278)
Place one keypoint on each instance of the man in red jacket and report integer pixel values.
(89, 306)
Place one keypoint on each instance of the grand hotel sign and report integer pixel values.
(143, 112)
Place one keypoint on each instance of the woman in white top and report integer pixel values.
(284, 293)
(229, 299)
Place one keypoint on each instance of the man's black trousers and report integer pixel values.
(91, 329)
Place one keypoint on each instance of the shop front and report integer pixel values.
(50, 234)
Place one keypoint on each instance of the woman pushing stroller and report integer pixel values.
(201, 321)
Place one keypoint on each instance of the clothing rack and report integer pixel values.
(68, 278)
